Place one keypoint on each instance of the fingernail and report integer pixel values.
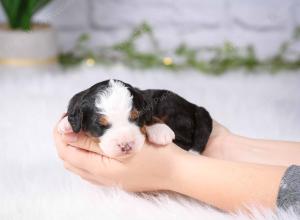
(69, 138)
(64, 126)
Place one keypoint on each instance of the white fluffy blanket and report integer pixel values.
(33, 183)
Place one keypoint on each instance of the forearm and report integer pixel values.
(227, 185)
(238, 148)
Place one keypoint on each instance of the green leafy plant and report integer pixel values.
(215, 60)
(19, 13)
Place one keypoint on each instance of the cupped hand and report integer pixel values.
(153, 168)
(150, 169)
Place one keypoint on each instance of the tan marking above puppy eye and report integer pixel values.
(134, 114)
(103, 121)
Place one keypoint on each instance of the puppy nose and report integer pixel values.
(126, 147)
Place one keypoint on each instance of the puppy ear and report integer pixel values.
(75, 111)
(137, 98)
(142, 104)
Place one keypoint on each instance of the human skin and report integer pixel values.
(228, 146)
(228, 185)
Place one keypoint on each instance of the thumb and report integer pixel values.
(64, 126)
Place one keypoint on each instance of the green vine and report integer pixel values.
(221, 58)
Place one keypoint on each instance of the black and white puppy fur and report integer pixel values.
(121, 117)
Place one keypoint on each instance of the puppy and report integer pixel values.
(122, 116)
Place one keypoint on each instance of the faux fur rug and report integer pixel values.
(34, 184)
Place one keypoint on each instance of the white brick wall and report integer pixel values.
(261, 15)
(198, 22)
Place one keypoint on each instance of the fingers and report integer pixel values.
(82, 173)
(64, 126)
(82, 159)
(79, 140)
(82, 141)
(82, 156)
(95, 164)
(60, 145)
(72, 154)
(86, 175)
(56, 129)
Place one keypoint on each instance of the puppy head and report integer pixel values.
(110, 110)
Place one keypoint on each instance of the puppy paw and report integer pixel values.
(160, 134)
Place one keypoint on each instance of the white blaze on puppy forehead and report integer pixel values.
(115, 102)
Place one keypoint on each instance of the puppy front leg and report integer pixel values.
(160, 134)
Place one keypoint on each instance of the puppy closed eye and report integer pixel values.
(134, 114)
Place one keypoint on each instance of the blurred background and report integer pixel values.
(265, 24)
(239, 59)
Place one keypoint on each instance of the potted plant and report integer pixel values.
(22, 42)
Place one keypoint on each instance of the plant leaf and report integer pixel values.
(39, 4)
(12, 8)
(19, 13)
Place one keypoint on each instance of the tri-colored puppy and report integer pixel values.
(122, 116)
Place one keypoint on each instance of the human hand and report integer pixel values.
(153, 168)
(171, 168)
(216, 144)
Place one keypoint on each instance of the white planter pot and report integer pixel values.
(32, 48)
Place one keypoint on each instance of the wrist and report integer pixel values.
(218, 145)
(180, 176)
(177, 161)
